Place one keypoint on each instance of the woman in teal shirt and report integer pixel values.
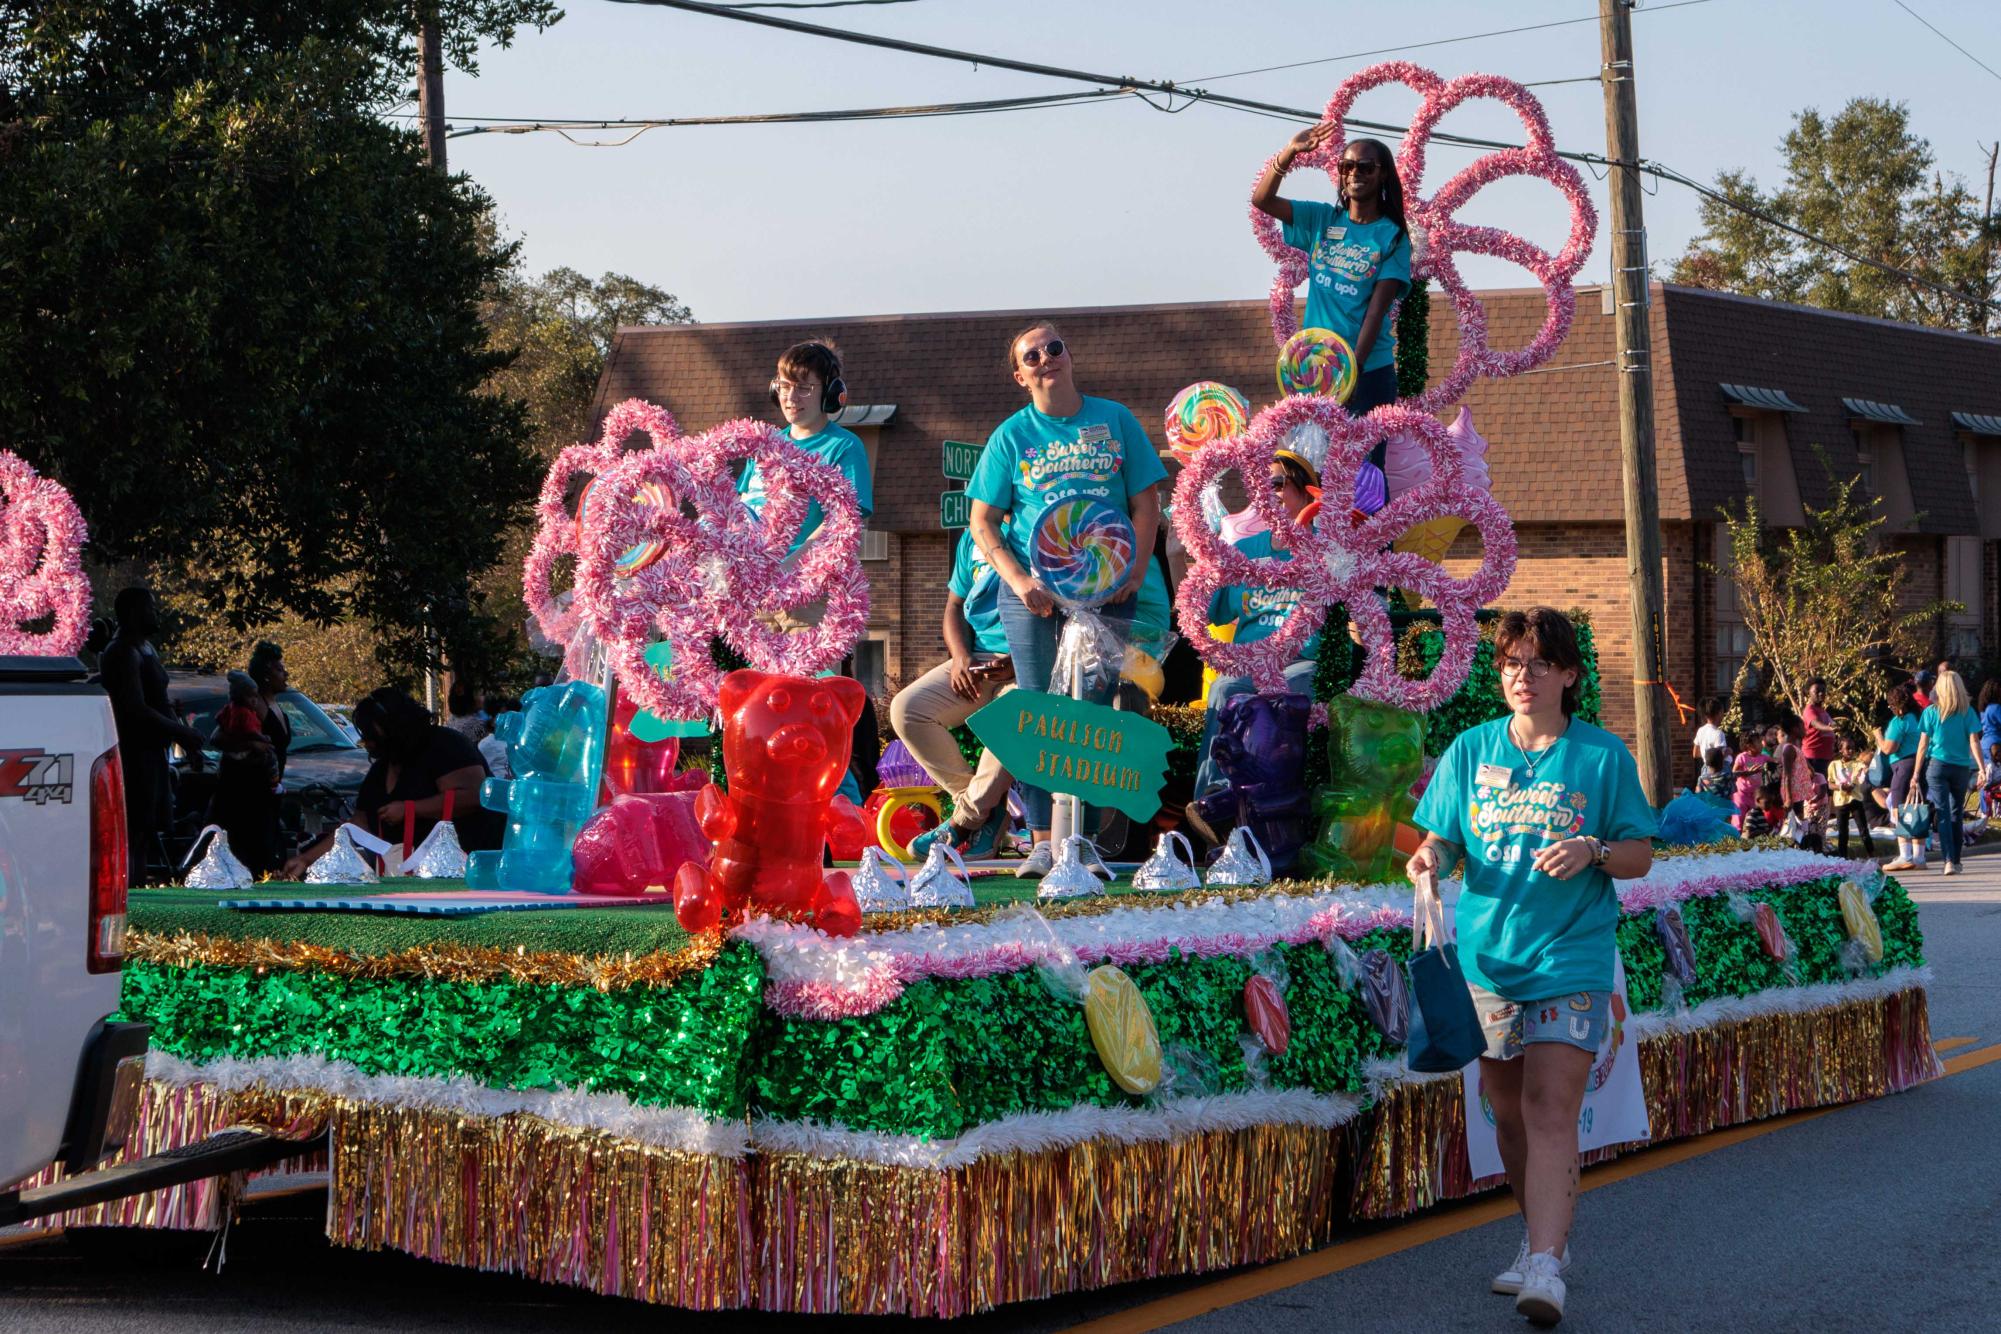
(1949, 732)
(1900, 742)
(1360, 257)
(1546, 811)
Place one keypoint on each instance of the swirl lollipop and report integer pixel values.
(1082, 550)
(1204, 412)
(1317, 361)
(650, 495)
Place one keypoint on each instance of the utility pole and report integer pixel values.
(431, 83)
(1987, 242)
(1636, 398)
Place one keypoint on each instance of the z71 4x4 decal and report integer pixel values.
(34, 775)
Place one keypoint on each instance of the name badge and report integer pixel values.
(1494, 775)
(1336, 233)
(1095, 433)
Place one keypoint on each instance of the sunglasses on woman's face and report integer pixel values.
(1279, 481)
(1357, 166)
(1033, 356)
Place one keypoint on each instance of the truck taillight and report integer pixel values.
(107, 863)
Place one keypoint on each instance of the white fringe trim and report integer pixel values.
(613, 1113)
(1779, 1000)
(1040, 1132)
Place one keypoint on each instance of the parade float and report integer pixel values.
(699, 1071)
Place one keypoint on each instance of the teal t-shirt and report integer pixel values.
(1903, 732)
(834, 444)
(1949, 735)
(1523, 935)
(1033, 460)
(978, 585)
(1258, 612)
(1348, 259)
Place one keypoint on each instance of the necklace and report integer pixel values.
(1529, 762)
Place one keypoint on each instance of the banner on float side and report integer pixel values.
(1098, 754)
(1615, 1102)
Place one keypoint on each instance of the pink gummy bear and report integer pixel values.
(636, 844)
(785, 747)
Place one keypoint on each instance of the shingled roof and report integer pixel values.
(1554, 434)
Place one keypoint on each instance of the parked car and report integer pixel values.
(323, 768)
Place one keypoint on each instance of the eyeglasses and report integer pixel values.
(1358, 164)
(1537, 668)
(1034, 355)
(783, 387)
(1279, 481)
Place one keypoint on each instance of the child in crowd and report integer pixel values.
(239, 730)
(1848, 791)
(1768, 811)
(1715, 778)
(1710, 735)
(1990, 783)
(1817, 804)
(1795, 774)
(1750, 768)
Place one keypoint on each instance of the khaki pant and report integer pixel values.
(924, 714)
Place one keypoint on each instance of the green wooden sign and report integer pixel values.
(648, 728)
(955, 509)
(1090, 751)
(960, 460)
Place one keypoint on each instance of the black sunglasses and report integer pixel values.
(1033, 356)
(1350, 164)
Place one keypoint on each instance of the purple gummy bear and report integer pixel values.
(1261, 748)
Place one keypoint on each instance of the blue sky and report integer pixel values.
(1116, 203)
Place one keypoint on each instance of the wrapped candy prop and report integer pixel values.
(879, 883)
(219, 868)
(439, 856)
(342, 863)
(893, 816)
(785, 748)
(1204, 412)
(1082, 550)
(555, 748)
(1242, 862)
(1773, 938)
(1386, 996)
(1265, 1011)
(1375, 753)
(41, 564)
(1675, 944)
(1165, 873)
(1261, 748)
(1069, 877)
(934, 884)
(637, 844)
(1122, 1030)
(632, 766)
(1864, 949)
(1692, 818)
(1406, 466)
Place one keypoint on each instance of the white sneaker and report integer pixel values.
(1541, 1297)
(1509, 1281)
(1039, 862)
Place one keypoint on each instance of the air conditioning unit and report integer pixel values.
(875, 546)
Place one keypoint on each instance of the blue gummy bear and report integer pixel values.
(555, 746)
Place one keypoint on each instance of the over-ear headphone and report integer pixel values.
(833, 389)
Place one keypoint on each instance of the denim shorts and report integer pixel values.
(1580, 1020)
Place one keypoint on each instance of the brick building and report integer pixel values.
(1745, 393)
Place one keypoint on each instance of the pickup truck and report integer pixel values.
(71, 1075)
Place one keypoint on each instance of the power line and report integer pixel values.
(1947, 40)
(561, 125)
(1419, 46)
(1132, 84)
(812, 4)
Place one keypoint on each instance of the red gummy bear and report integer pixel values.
(637, 844)
(785, 747)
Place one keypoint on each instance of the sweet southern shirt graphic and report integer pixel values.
(1524, 935)
(1033, 460)
(1349, 259)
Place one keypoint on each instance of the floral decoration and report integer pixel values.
(41, 564)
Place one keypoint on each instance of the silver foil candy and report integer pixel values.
(933, 885)
(439, 856)
(1165, 873)
(1071, 877)
(879, 882)
(341, 864)
(1243, 862)
(219, 868)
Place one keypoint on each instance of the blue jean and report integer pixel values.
(1298, 681)
(1946, 784)
(1031, 643)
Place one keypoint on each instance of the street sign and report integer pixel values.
(960, 460)
(955, 509)
(1102, 755)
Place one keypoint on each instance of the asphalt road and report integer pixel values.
(1879, 1214)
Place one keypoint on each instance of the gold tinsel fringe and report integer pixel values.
(793, 1232)
(445, 963)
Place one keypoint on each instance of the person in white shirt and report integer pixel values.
(491, 748)
(1711, 732)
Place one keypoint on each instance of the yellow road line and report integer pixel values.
(1947, 1044)
(1451, 1221)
